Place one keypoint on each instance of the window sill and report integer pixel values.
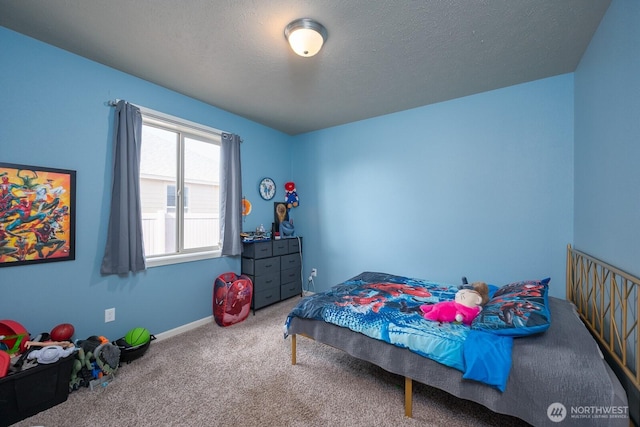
(178, 259)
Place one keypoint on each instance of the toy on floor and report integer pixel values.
(31, 345)
(107, 357)
(5, 361)
(137, 336)
(51, 353)
(82, 372)
(96, 357)
(12, 336)
(463, 309)
(46, 343)
(62, 332)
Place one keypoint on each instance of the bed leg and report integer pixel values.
(293, 349)
(408, 397)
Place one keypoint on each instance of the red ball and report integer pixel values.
(62, 332)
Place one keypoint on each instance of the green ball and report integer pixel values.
(137, 336)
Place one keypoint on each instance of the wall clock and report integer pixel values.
(267, 188)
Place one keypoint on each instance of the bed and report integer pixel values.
(579, 385)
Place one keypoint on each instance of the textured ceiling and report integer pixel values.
(380, 56)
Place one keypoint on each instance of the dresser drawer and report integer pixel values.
(294, 245)
(289, 275)
(264, 298)
(259, 267)
(280, 247)
(257, 250)
(291, 289)
(267, 265)
(266, 281)
(290, 261)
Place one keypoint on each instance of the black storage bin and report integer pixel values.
(33, 390)
(129, 353)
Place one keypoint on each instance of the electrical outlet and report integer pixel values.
(314, 272)
(109, 315)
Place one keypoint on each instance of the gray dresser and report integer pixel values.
(274, 267)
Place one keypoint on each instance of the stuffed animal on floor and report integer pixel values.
(466, 306)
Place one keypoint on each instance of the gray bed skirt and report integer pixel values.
(561, 366)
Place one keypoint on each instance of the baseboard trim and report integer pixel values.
(184, 328)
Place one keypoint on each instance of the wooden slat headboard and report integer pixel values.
(606, 299)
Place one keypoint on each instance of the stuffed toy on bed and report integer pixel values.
(466, 306)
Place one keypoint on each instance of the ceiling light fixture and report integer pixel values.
(305, 36)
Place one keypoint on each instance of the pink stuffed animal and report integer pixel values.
(466, 306)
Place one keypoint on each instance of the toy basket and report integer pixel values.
(231, 298)
(129, 353)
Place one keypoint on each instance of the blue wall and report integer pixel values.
(607, 140)
(479, 186)
(53, 113)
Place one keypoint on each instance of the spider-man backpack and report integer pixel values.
(231, 298)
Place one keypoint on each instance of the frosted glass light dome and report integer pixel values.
(305, 36)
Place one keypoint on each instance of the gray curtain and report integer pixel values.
(125, 251)
(230, 195)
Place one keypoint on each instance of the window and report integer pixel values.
(179, 190)
(171, 198)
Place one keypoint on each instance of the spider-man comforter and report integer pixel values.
(386, 307)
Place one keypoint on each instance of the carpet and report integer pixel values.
(242, 375)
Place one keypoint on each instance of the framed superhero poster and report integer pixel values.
(37, 214)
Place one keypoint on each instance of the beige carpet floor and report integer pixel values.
(242, 375)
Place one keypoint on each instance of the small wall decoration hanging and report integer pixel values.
(37, 214)
(280, 214)
(267, 188)
(246, 207)
(290, 195)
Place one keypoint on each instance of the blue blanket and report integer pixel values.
(386, 307)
